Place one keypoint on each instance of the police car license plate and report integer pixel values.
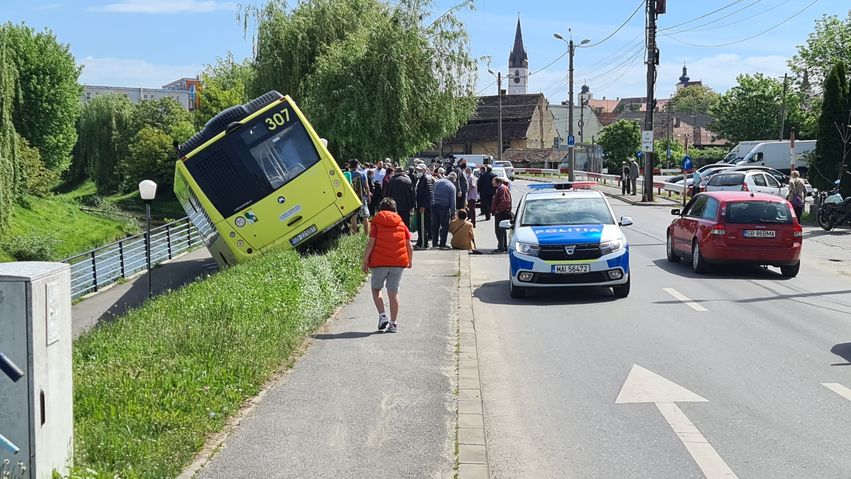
(303, 235)
(571, 268)
(759, 233)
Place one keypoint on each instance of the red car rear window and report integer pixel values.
(756, 212)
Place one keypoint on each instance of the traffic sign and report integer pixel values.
(647, 140)
(687, 163)
(571, 140)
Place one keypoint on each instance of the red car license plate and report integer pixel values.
(760, 233)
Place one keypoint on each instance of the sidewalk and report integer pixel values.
(121, 297)
(360, 403)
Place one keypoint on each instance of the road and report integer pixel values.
(752, 370)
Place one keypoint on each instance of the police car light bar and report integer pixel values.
(576, 185)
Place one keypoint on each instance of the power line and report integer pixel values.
(742, 20)
(697, 28)
(640, 4)
(617, 55)
(747, 38)
(703, 16)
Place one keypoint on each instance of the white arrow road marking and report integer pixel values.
(681, 297)
(839, 389)
(644, 386)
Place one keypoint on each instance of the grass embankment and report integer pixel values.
(153, 385)
(76, 220)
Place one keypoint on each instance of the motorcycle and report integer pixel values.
(833, 209)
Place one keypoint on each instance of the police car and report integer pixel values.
(563, 237)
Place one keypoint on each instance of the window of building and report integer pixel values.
(468, 148)
(506, 144)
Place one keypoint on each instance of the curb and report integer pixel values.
(472, 458)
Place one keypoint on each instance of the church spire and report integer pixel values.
(684, 79)
(518, 57)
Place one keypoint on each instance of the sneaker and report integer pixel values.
(382, 321)
(391, 328)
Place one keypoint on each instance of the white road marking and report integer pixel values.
(644, 386)
(839, 389)
(681, 297)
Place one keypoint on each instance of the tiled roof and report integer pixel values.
(533, 155)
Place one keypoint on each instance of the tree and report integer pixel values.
(225, 84)
(103, 137)
(620, 141)
(9, 162)
(37, 179)
(162, 113)
(825, 164)
(151, 157)
(50, 94)
(678, 151)
(371, 77)
(829, 43)
(694, 98)
(751, 110)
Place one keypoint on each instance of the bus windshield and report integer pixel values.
(241, 169)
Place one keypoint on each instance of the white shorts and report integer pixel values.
(389, 275)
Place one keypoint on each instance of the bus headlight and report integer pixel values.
(608, 247)
(527, 249)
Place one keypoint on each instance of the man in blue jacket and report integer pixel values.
(441, 210)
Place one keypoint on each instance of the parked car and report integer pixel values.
(501, 173)
(755, 181)
(736, 227)
(509, 168)
(781, 177)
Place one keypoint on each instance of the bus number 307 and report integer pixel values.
(278, 119)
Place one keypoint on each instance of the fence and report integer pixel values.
(103, 266)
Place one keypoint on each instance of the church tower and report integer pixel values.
(518, 65)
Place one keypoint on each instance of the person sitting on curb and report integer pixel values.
(388, 252)
(461, 228)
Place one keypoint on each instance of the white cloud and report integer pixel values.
(166, 6)
(49, 6)
(132, 72)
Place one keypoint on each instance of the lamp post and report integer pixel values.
(571, 149)
(147, 191)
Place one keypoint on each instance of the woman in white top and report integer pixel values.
(472, 196)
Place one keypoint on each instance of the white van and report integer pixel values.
(776, 154)
(740, 150)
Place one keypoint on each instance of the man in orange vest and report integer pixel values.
(388, 253)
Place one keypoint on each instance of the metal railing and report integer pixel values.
(103, 266)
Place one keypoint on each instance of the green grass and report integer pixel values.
(152, 386)
(65, 221)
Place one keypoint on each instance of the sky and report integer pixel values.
(148, 43)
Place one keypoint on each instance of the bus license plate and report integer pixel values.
(303, 235)
(571, 268)
(759, 233)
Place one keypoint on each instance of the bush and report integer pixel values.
(151, 386)
(151, 158)
(32, 247)
(38, 180)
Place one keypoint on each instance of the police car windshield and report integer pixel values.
(566, 211)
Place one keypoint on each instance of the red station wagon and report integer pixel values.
(736, 227)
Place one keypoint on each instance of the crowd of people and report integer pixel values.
(433, 200)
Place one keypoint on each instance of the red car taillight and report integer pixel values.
(797, 231)
(718, 230)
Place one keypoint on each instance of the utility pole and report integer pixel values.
(499, 126)
(783, 107)
(571, 149)
(652, 61)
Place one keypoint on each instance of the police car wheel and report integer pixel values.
(621, 291)
(516, 292)
(672, 257)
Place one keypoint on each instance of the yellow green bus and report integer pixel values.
(258, 176)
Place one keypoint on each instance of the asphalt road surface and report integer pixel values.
(737, 373)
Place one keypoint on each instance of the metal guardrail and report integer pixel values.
(606, 179)
(103, 266)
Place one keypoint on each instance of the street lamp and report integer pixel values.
(571, 149)
(147, 191)
(498, 76)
